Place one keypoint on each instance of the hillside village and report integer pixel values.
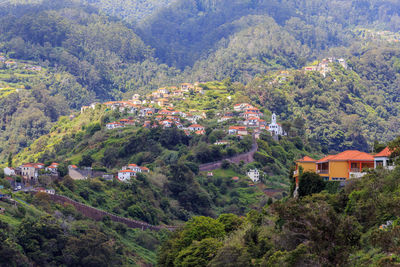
(157, 110)
(163, 108)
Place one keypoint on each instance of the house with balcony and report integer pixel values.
(341, 167)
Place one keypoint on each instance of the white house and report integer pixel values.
(134, 168)
(53, 168)
(114, 125)
(239, 130)
(254, 175)
(251, 114)
(383, 159)
(242, 107)
(252, 122)
(163, 91)
(275, 128)
(167, 123)
(195, 127)
(225, 118)
(9, 171)
(30, 170)
(126, 175)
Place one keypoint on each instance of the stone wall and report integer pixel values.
(98, 215)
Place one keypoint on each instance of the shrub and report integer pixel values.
(310, 183)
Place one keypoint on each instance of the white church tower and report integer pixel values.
(274, 127)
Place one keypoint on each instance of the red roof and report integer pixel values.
(240, 128)
(325, 159)
(348, 155)
(133, 165)
(196, 126)
(306, 159)
(384, 153)
(128, 171)
(28, 165)
(144, 168)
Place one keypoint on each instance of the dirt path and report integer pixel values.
(247, 157)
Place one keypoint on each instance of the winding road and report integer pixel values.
(247, 157)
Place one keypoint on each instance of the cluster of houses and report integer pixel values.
(165, 118)
(130, 171)
(324, 67)
(245, 115)
(343, 166)
(156, 110)
(30, 172)
(252, 119)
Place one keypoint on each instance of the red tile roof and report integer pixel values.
(306, 159)
(348, 155)
(196, 126)
(384, 153)
(240, 128)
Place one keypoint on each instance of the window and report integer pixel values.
(338, 179)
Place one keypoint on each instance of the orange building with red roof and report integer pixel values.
(340, 167)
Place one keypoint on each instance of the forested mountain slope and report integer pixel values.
(345, 109)
(188, 31)
(103, 53)
(82, 56)
(129, 10)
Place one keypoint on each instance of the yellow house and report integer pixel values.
(307, 164)
(340, 167)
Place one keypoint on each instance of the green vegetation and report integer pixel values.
(57, 56)
(48, 234)
(347, 109)
(357, 226)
